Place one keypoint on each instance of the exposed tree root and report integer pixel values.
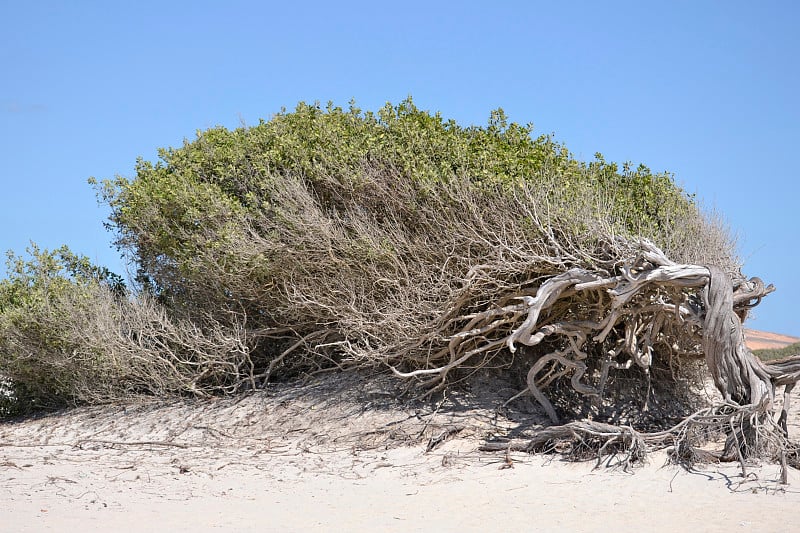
(581, 326)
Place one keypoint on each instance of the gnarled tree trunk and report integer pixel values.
(738, 374)
(618, 317)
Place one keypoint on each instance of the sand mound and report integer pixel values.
(342, 453)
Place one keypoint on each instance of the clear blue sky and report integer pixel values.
(707, 90)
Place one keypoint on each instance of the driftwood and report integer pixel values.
(618, 317)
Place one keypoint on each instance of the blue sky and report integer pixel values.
(706, 90)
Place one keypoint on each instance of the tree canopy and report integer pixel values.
(326, 221)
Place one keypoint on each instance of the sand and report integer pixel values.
(762, 340)
(340, 455)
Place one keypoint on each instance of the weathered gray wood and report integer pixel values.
(626, 311)
(737, 373)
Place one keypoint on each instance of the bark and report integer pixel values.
(738, 374)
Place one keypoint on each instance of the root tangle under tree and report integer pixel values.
(624, 317)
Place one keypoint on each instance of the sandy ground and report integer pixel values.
(762, 340)
(345, 457)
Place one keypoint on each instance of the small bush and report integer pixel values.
(70, 333)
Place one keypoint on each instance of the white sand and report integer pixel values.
(267, 463)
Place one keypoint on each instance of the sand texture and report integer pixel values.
(340, 454)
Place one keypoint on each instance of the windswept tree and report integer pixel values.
(402, 241)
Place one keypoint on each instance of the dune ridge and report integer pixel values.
(763, 340)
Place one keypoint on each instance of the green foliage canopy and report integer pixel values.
(177, 214)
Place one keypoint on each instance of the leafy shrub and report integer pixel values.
(70, 333)
(36, 353)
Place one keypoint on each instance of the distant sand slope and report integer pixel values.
(761, 340)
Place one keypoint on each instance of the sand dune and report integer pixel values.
(762, 340)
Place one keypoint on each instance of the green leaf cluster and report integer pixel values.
(45, 276)
(196, 198)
